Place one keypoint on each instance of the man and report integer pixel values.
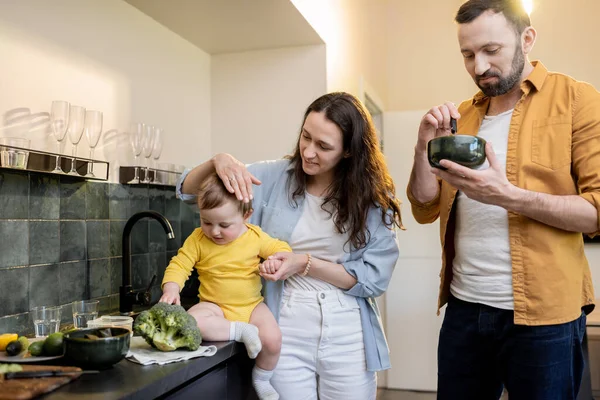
(514, 272)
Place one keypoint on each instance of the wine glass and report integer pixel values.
(59, 120)
(136, 135)
(147, 147)
(157, 149)
(93, 130)
(75, 130)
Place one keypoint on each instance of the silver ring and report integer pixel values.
(232, 179)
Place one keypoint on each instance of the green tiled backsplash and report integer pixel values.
(60, 241)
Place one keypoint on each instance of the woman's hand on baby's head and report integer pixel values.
(235, 176)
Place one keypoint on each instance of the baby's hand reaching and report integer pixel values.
(270, 266)
(170, 294)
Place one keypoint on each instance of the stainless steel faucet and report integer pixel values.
(127, 296)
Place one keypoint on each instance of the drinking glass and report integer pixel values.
(13, 153)
(157, 149)
(46, 320)
(75, 130)
(83, 312)
(147, 147)
(93, 130)
(136, 135)
(59, 120)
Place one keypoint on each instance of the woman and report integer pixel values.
(333, 201)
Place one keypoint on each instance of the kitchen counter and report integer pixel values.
(226, 375)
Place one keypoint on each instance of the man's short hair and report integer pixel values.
(513, 11)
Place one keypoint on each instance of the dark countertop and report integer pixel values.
(129, 380)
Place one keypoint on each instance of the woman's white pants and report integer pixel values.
(323, 354)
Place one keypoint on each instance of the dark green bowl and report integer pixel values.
(99, 353)
(462, 149)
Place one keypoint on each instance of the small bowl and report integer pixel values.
(112, 321)
(462, 149)
(101, 353)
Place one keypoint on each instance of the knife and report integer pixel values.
(43, 374)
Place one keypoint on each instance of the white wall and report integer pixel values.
(105, 55)
(356, 36)
(425, 66)
(259, 99)
(412, 325)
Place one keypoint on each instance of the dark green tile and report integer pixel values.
(118, 201)
(43, 286)
(187, 227)
(138, 200)
(104, 305)
(17, 323)
(14, 246)
(66, 313)
(116, 237)
(14, 195)
(116, 269)
(188, 223)
(139, 237)
(72, 240)
(157, 200)
(44, 242)
(156, 293)
(142, 273)
(96, 200)
(72, 198)
(172, 206)
(175, 244)
(187, 211)
(99, 277)
(14, 291)
(114, 302)
(73, 282)
(158, 264)
(44, 197)
(158, 237)
(98, 239)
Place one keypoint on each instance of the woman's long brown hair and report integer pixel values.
(361, 180)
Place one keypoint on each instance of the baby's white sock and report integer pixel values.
(261, 379)
(248, 334)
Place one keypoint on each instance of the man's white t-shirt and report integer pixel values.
(482, 265)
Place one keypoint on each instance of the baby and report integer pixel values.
(226, 251)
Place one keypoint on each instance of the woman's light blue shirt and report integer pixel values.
(372, 266)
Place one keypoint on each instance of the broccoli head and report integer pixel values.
(168, 327)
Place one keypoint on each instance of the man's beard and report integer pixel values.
(504, 85)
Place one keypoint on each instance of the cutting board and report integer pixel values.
(21, 389)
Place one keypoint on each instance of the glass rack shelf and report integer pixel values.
(23, 159)
(156, 177)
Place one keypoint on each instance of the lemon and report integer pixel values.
(6, 338)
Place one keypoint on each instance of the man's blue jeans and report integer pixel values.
(481, 351)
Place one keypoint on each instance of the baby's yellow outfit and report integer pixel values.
(228, 273)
